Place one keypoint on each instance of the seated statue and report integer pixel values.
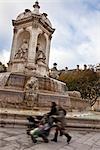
(40, 56)
(22, 51)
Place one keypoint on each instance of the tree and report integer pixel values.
(87, 82)
(3, 68)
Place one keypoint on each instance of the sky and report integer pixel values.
(76, 40)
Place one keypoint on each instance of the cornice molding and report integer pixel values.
(36, 20)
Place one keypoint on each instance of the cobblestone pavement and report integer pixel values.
(17, 139)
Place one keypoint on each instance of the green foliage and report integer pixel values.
(87, 82)
(3, 68)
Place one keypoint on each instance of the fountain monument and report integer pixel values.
(26, 84)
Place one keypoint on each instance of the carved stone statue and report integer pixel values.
(22, 51)
(31, 90)
(40, 56)
(32, 84)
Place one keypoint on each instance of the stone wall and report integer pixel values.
(11, 99)
(15, 99)
(69, 103)
(96, 106)
(13, 94)
(15, 81)
(79, 104)
(44, 100)
(50, 84)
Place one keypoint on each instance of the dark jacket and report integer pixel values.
(53, 110)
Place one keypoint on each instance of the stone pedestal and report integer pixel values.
(22, 91)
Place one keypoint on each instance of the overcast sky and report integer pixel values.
(76, 40)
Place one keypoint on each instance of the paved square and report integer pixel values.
(17, 139)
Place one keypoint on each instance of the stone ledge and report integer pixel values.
(23, 123)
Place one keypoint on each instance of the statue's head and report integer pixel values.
(24, 41)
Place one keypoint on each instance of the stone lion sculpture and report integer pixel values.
(31, 88)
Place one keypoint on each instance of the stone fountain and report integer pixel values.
(26, 84)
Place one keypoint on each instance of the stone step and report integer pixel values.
(11, 122)
(19, 118)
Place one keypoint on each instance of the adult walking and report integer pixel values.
(61, 124)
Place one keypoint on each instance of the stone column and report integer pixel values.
(32, 47)
(13, 48)
(48, 50)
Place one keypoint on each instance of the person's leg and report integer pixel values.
(64, 132)
(34, 134)
(67, 135)
(61, 132)
(33, 139)
(55, 135)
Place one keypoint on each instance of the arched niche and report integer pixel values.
(41, 42)
(41, 50)
(25, 35)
